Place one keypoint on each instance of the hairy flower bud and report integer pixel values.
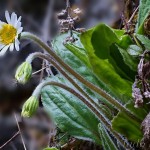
(24, 72)
(30, 107)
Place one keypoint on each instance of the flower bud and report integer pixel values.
(24, 72)
(30, 107)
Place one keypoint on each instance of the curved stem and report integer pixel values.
(50, 59)
(110, 99)
(43, 56)
(101, 118)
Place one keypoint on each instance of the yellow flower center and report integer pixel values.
(7, 34)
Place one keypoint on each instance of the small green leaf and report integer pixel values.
(119, 33)
(125, 41)
(134, 50)
(144, 40)
(128, 59)
(80, 53)
(70, 114)
(131, 62)
(106, 140)
(144, 11)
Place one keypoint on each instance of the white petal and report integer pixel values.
(12, 47)
(19, 30)
(1, 44)
(1, 47)
(13, 18)
(7, 16)
(1, 24)
(17, 22)
(3, 51)
(17, 45)
(18, 25)
(16, 40)
(19, 19)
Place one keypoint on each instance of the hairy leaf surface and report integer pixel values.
(144, 11)
(70, 114)
(106, 140)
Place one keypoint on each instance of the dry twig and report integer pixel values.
(10, 140)
(20, 131)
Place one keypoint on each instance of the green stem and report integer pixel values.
(49, 58)
(136, 41)
(110, 99)
(101, 118)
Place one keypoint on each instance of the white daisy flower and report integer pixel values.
(9, 33)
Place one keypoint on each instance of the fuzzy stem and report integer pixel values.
(136, 41)
(49, 58)
(101, 118)
(110, 99)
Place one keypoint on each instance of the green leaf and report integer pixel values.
(119, 33)
(102, 38)
(78, 65)
(70, 114)
(121, 66)
(134, 50)
(127, 126)
(50, 148)
(118, 62)
(144, 40)
(102, 44)
(80, 53)
(129, 60)
(106, 140)
(125, 41)
(140, 113)
(144, 11)
(103, 69)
